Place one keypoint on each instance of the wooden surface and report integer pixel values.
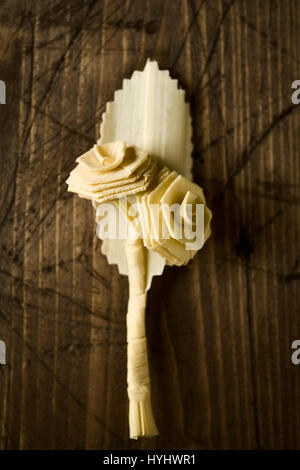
(220, 330)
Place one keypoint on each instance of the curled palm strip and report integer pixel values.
(161, 216)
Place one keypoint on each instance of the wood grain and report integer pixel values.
(220, 330)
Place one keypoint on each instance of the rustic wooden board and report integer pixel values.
(220, 330)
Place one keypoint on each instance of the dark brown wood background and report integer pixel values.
(220, 330)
